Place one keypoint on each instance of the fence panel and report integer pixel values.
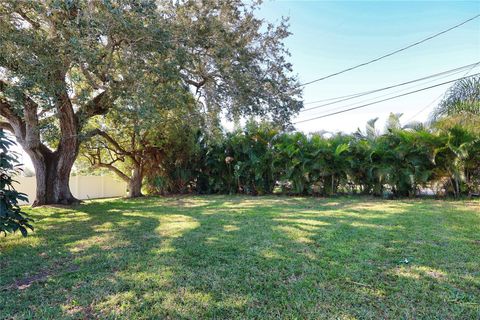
(82, 187)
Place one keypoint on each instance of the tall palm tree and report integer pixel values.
(461, 104)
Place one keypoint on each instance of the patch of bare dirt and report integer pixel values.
(435, 274)
(41, 276)
(80, 312)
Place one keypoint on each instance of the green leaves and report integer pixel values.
(398, 163)
(460, 106)
(341, 149)
(11, 216)
(462, 98)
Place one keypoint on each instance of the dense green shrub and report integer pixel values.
(11, 216)
(241, 162)
(260, 159)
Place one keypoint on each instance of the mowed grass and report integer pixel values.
(229, 257)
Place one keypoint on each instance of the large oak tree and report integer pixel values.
(63, 63)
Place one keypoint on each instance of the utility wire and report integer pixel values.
(436, 99)
(387, 99)
(425, 108)
(386, 94)
(390, 53)
(360, 94)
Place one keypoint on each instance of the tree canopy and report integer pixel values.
(63, 63)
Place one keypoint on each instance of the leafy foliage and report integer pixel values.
(11, 216)
(460, 106)
(262, 159)
(462, 98)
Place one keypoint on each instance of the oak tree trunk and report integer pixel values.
(52, 168)
(52, 172)
(135, 183)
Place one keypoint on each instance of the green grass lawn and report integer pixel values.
(242, 257)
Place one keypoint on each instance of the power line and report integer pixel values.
(425, 108)
(431, 103)
(391, 53)
(377, 97)
(360, 94)
(383, 100)
(387, 94)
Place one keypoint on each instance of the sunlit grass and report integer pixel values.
(246, 257)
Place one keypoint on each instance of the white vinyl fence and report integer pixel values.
(82, 187)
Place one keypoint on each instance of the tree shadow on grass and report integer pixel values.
(242, 257)
(322, 266)
(69, 254)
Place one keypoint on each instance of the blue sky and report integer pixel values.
(329, 36)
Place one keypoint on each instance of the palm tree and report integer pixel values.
(393, 122)
(371, 132)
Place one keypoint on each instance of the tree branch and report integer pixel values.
(26, 129)
(99, 105)
(65, 113)
(95, 160)
(122, 175)
(17, 124)
(119, 150)
(89, 77)
(25, 17)
(6, 126)
(107, 137)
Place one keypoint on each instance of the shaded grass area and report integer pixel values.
(246, 257)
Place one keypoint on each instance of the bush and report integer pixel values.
(259, 158)
(11, 216)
